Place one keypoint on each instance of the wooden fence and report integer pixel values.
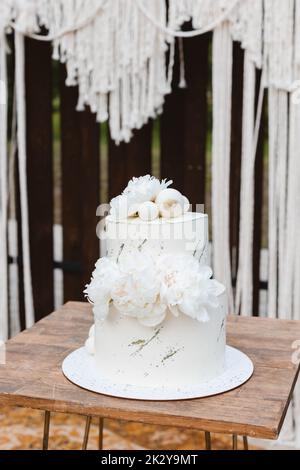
(184, 130)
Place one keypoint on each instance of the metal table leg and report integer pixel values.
(86, 432)
(234, 442)
(207, 441)
(245, 442)
(46, 430)
(100, 442)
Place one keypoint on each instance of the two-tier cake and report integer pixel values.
(160, 318)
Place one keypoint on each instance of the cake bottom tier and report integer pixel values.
(179, 352)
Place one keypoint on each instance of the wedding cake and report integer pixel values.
(160, 318)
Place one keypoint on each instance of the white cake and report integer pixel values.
(160, 321)
(185, 234)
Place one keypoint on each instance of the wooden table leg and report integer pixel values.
(86, 432)
(234, 442)
(100, 443)
(245, 441)
(207, 441)
(46, 430)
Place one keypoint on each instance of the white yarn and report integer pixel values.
(27, 20)
(134, 69)
(282, 48)
(289, 266)
(244, 287)
(279, 30)
(278, 159)
(272, 213)
(225, 8)
(15, 323)
(182, 81)
(247, 28)
(279, 50)
(222, 67)
(294, 149)
(293, 181)
(21, 137)
(282, 190)
(127, 63)
(3, 192)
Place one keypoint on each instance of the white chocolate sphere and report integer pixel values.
(170, 203)
(148, 211)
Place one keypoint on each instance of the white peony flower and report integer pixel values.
(144, 287)
(123, 206)
(138, 191)
(98, 291)
(136, 292)
(187, 287)
(145, 188)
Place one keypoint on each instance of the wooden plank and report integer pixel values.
(258, 204)
(236, 151)
(184, 122)
(129, 160)
(81, 190)
(39, 166)
(32, 377)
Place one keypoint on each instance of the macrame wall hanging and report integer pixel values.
(120, 53)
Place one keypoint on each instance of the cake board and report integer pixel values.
(80, 368)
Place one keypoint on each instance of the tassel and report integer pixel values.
(21, 138)
(3, 192)
(222, 67)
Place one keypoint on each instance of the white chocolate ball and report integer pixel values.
(148, 211)
(170, 203)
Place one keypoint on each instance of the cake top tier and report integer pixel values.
(147, 199)
(186, 217)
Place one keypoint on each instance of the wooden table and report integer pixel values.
(32, 378)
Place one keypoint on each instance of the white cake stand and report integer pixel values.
(80, 368)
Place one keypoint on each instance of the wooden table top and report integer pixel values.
(32, 378)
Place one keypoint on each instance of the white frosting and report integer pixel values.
(185, 234)
(179, 351)
(90, 342)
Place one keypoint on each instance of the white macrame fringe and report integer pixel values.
(21, 138)
(247, 28)
(12, 229)
(222, 88)
(133, 70)
(244, 286)
(282, 35)
(3, 192)
(208, 17)
(280, 51)
(294, 149)
(278, 158)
